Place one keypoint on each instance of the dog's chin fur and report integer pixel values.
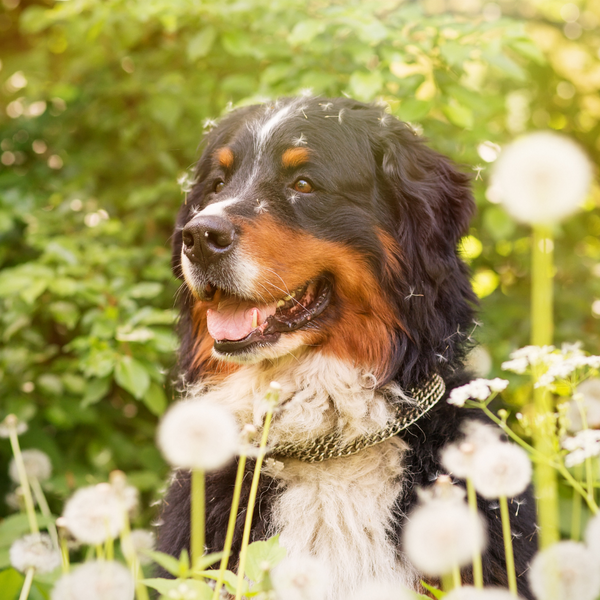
(339, 511)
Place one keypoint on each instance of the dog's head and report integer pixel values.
(328, 226)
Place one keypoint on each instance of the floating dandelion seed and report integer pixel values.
(37, 465)
(566, 570)
(34, 551)
(542, 177)
(443, 534)
(96, 580)
(303, 578)
(501, 470)
(94, 513)
(198, 435)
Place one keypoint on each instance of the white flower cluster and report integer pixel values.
(478, 389)
(527, 356)
(584, 444)
(496, 468)
(442, 533)
(34, 551)
(587, 401)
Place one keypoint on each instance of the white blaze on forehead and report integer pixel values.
(264, 130)
(217, 208)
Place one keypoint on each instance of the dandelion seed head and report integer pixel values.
(470, 593)
(143, 540)
(542, 177)
(34, 551)
(11, 422)
(592, 537)
(479, 361)
(566, 570)
(378, 590)
(300, 578)
(440, 535)
(196, 434)
(501, 469)
(93, 513)
(95, 580)
(37, 465)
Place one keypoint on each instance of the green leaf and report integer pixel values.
(269, 552)
(230, 579)
(434, 591)
(207, 560)
(412, 109)
(365, 86)
(168, 563)
(201, 43)
(155, 399)
(16, 526)
(305, 31)
(458, 115)
(11, 582)
(506, 65)
(95, 390)
(131, 375)
(455, 54)
(530, 50)
(146, 289)
(178, 588)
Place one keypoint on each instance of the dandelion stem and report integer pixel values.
(131, 557)
(541, 334)
(272, 399)
(40, 498)
(64, 552)
(576, 510)
(235, 504)
(477, 566)
(14, 442)
(198, 510)
(456, 579)
(448, 582)
(27, 584)
(508, 547)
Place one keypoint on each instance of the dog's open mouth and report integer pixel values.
(236, 323)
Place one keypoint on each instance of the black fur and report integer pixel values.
(372, 173)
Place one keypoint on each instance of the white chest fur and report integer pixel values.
(339, 510)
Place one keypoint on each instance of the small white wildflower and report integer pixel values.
(95, 580)
(37, 465)
(589, 399)
(10, 422)
(592, 536)
(34, 551)
(566, 570)
(458, 457)
(533, 354)
(501, 469)
(516, 365)
(440, 535)
(479, 389)
(303, 578)
(497, 385)
(198, 435)
(382, 591)
(542, 177)
(458, 396)
(584, 444)
(142, 540)
(467, 592)
(94, 513)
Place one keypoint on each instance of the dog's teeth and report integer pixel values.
(280, 303)
(292, 295)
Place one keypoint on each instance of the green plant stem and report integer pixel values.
(40, 498)
(198, 510)
(235, 504)
(29, 507)
(27, 584)
(64, 553)
(456, 579)
(508, 547)
(576, 510)
(448, 582)
(128, 549)
(252, 500)
(542, 326)
(477, 566)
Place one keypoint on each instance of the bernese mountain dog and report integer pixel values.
(318, 249)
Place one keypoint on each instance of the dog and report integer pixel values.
(318, 249)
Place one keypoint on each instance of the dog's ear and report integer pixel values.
(427, 186)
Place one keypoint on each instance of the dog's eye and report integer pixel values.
(219, 185)
(303, 186)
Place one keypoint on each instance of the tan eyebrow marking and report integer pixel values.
(225, 157)
(294, 157)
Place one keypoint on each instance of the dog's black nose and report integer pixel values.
(205, 239)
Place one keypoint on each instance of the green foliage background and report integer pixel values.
(102, 106)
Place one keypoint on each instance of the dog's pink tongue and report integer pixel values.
(233, 319)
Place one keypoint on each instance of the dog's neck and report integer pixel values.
(319, 395)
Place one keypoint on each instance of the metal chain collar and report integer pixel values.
(330, 446)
